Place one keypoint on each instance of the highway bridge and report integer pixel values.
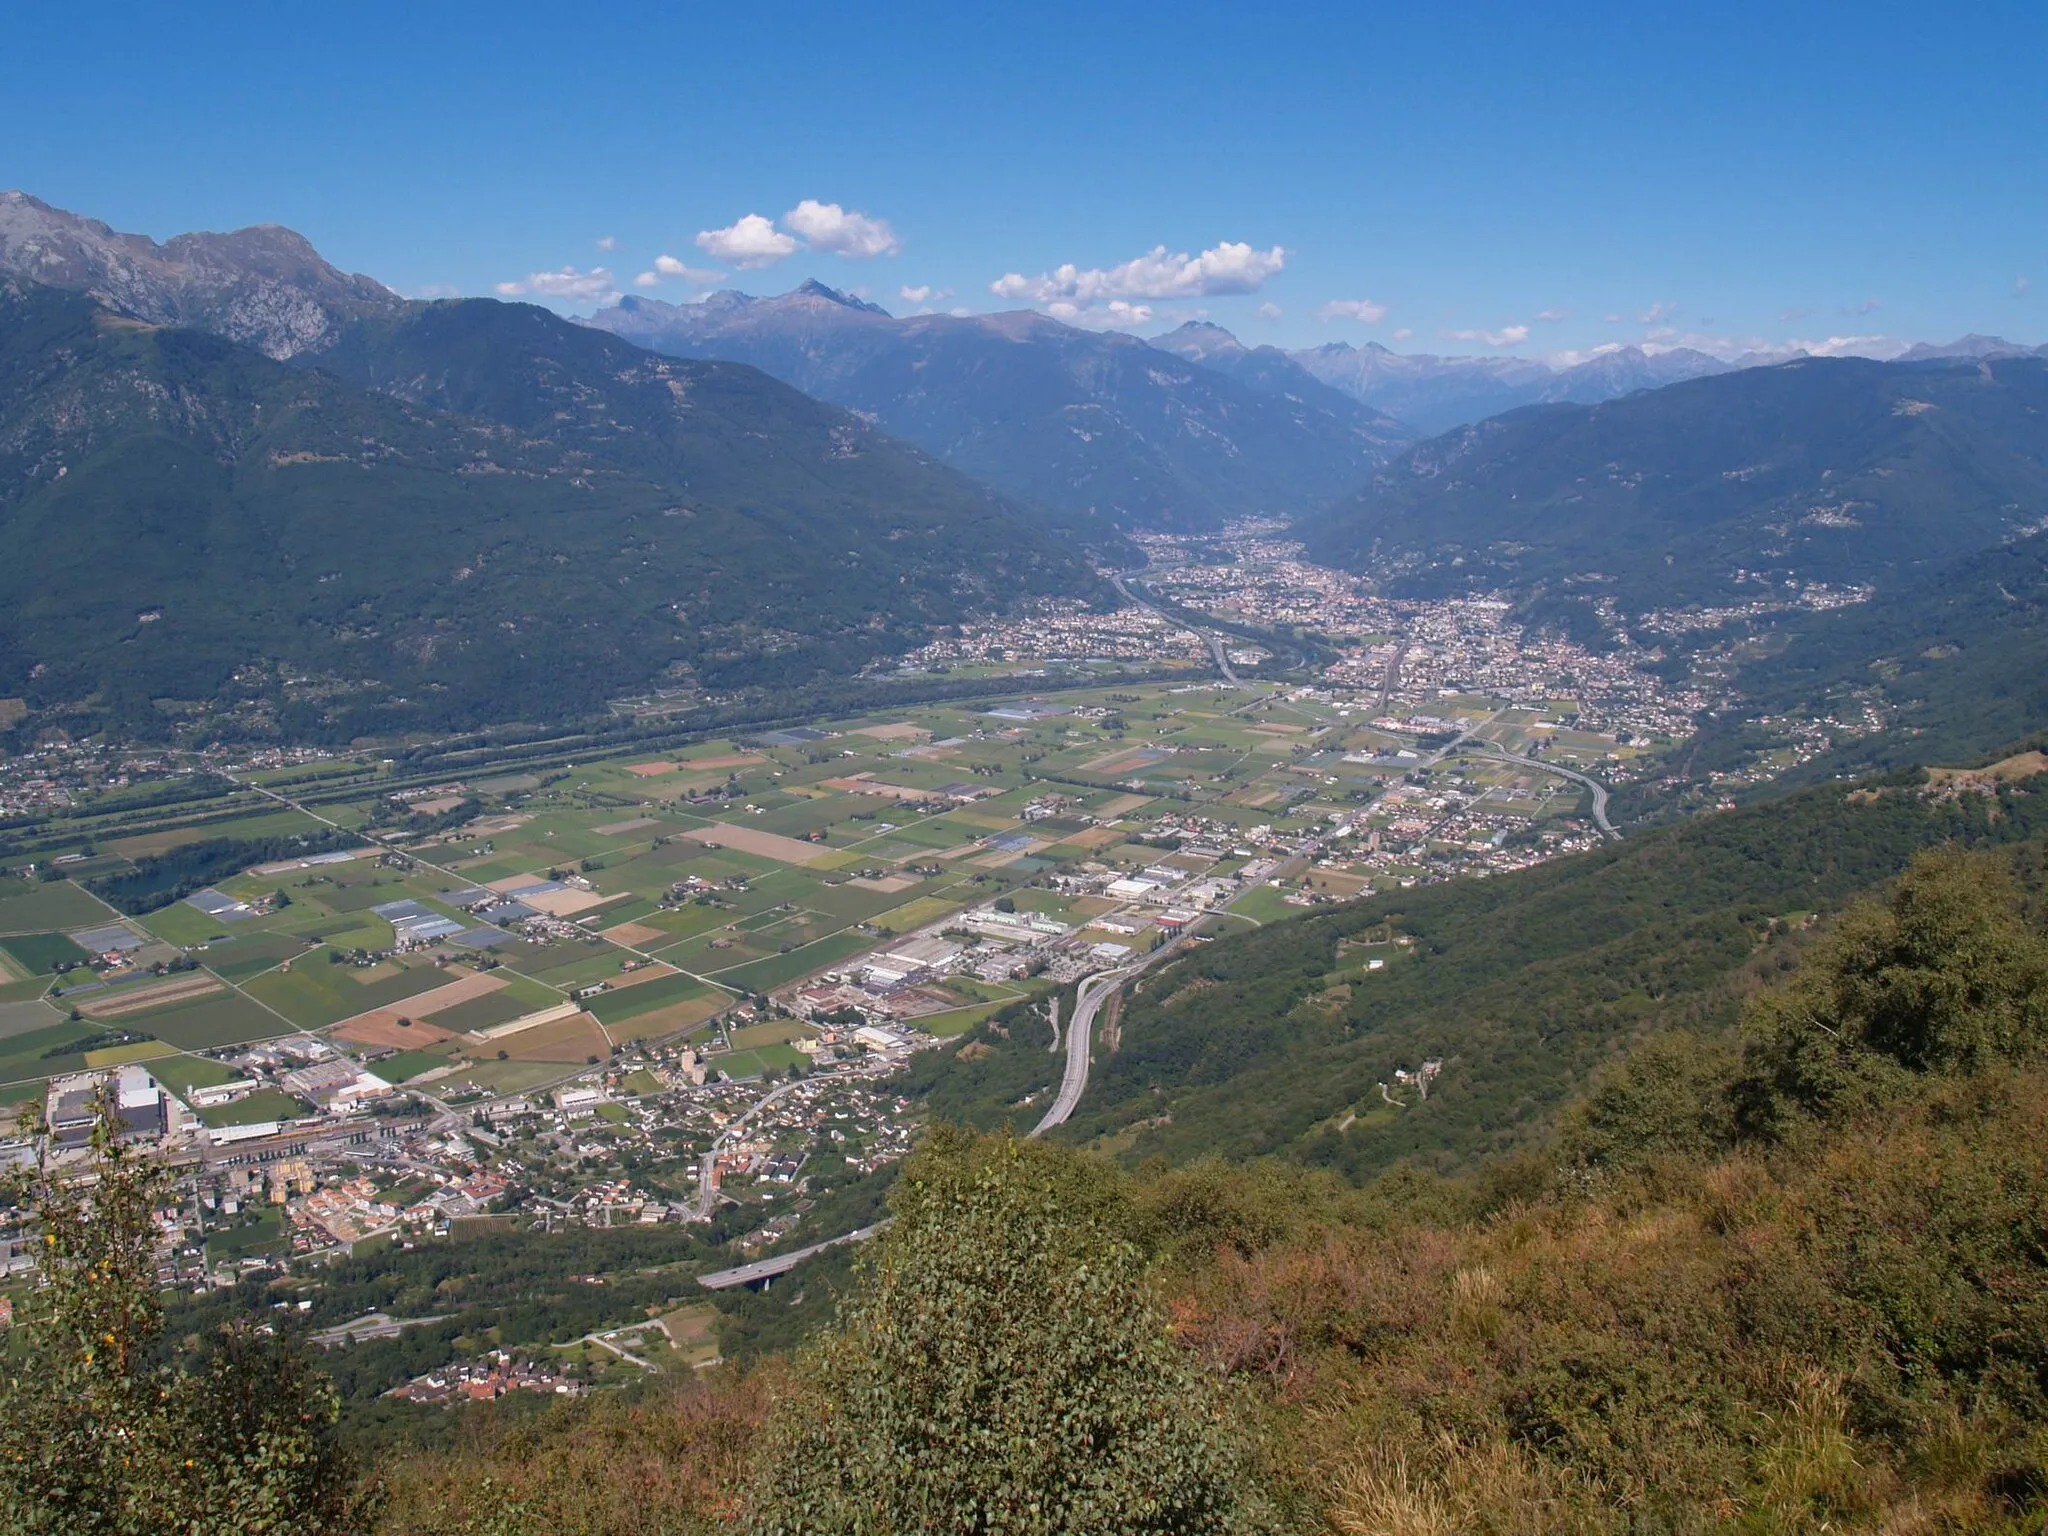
(763, 1270)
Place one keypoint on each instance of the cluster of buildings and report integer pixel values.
(485, 1380)
(1052, 631)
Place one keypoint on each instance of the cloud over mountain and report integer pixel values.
(593, 287)
(748, 243)
(1231, 267)
(829, 227)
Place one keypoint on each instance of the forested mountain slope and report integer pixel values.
(1718, 489)
(187, 520)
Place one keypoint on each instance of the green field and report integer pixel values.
(761, 975)
(186, 926)
(407, 1064)
(495, 1007)
(315, 993)
(50, 904)
(631, 1002)
(578, 966)
(42, 953)
(263, 1104)
(264, 1233)
(26, 1056)
(245, 956)
(743, 1066)
(224, 1018)
(181, 1074)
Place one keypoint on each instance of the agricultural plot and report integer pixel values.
(181, 1074)
(576, 1038)
(223, 1018)
(264, 1104)
(631, 1003)
(21, 1018)
(314, 994)
(407, 1065)
(41, 953)
(248, 955)
(41, 1053)
(27, 907)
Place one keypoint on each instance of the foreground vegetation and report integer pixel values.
(1786, 1278)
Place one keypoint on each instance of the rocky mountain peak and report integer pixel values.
(265, 286)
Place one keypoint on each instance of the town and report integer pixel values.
(349, 1007)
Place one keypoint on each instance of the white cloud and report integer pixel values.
(1269, 311)
(1553, 316)
(1867, 307)
(1612, 319)
(1879, 347)
(1403, 333)
(1507, 336)
(2020, 285)
(1364, 311)
(592, 287)
(923, 293)
(747, 243)
(829, 227)
(1572, 358)
(1116, 315)
(1225, 268)
(1656, 312)
(606, 243)
(667, 267)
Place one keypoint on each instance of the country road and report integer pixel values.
(707, 1170)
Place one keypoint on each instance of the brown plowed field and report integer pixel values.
(150, 997)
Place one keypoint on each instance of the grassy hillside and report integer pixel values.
(185, 520)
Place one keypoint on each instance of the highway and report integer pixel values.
(1501, 754)
(1209, 636)
(781, 1264)
(1093, 993)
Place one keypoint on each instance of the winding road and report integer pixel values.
(1501, 754)
(707, 1170)
(1093, 993)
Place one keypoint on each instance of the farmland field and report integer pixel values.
(263, 1104)
(226, 1018)
(50, 904)
(42, 953)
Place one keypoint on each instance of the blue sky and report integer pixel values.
(1434, 177)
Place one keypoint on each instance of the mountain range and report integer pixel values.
(1836, 470)
(1436, 394)
(265, 287)
(188, 524)
(1088, 423)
